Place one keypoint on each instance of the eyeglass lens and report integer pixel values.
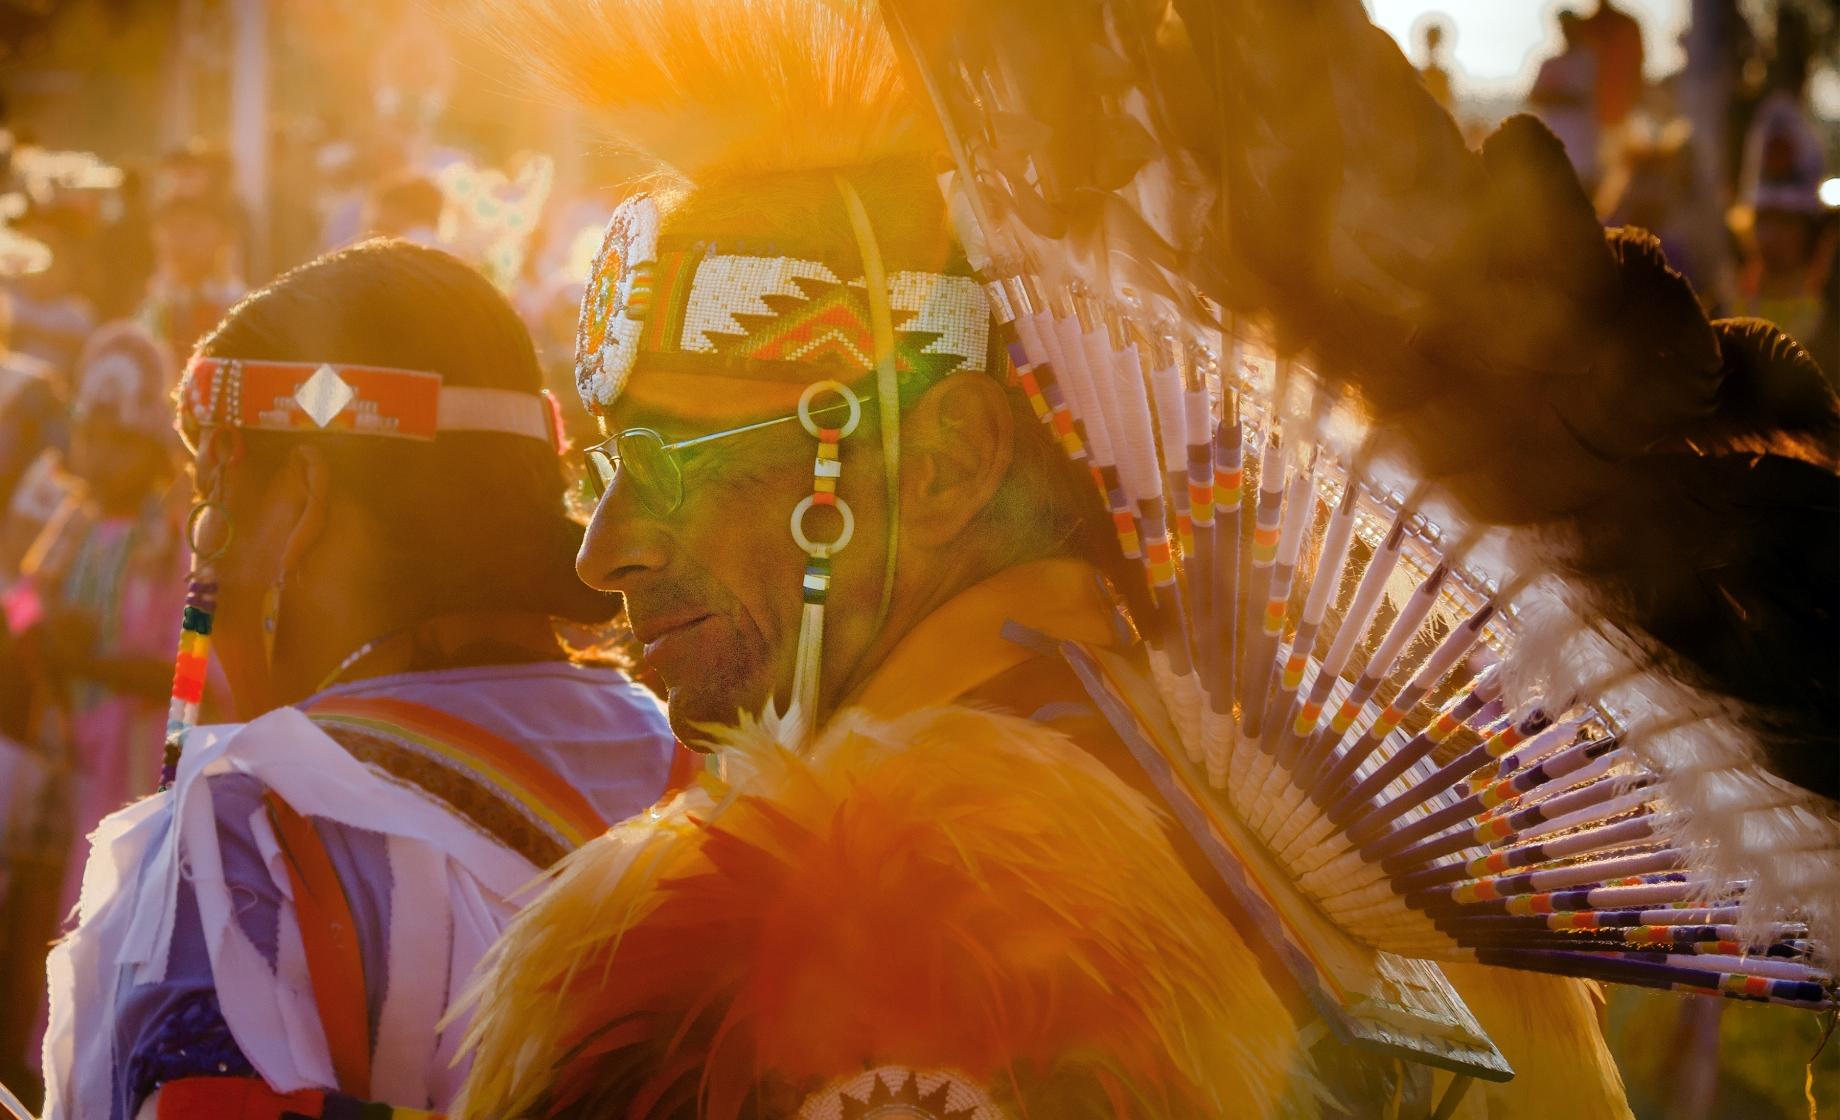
(653, 472)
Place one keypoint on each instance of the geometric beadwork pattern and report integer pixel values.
(826, 325)
(760, 308)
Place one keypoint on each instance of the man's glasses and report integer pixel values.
(651, 464)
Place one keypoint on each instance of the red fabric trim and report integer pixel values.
(329, 935)
(233, 1098)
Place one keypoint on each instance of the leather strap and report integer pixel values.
(330, 937)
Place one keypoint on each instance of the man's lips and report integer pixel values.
(658, 636)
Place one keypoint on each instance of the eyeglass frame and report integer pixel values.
(607, 450)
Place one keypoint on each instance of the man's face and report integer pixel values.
(713, 588)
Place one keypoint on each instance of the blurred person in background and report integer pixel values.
(419, 746)
(1615, 37)
(295, 190)
(126, 243)
(54, 310)
(91, 617)
(34, 422)
(1563, 97)
(205, 172)
(1435, 72)
(1653, 185)
(33, 418)
(1787, 237)
(194, 280)
(409, 206)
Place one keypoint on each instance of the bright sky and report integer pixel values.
(1497, 45)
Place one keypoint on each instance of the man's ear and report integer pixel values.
(305, 481)
(957, 443)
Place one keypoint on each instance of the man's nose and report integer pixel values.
(622, 540)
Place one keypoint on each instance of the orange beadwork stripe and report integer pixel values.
(534, 785)
(1388, 720)
(1293, 671)
(660, 319)
(1344, 716)
(1492, 864)
(1499, 792)
(1306, 719)
(189, 672)
(1754, 986)
(1493, 828)
(1506, 740)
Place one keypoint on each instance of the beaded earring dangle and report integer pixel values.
(826, 471)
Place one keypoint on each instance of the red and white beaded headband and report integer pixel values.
(361, 400)
(693, 307)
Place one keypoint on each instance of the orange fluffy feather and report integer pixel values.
(953, 890)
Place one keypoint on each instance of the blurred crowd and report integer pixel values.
(1724, 160)
(109, 275)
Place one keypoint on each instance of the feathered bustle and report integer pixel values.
(953, 889)
(1470, 300)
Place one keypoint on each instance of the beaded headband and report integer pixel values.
(364, 400)
(764, 318)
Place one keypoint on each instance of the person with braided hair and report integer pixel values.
(382, 572)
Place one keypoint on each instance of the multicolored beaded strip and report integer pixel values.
(826, 472)
(193, 660)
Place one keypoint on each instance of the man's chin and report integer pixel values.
(698, 714)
